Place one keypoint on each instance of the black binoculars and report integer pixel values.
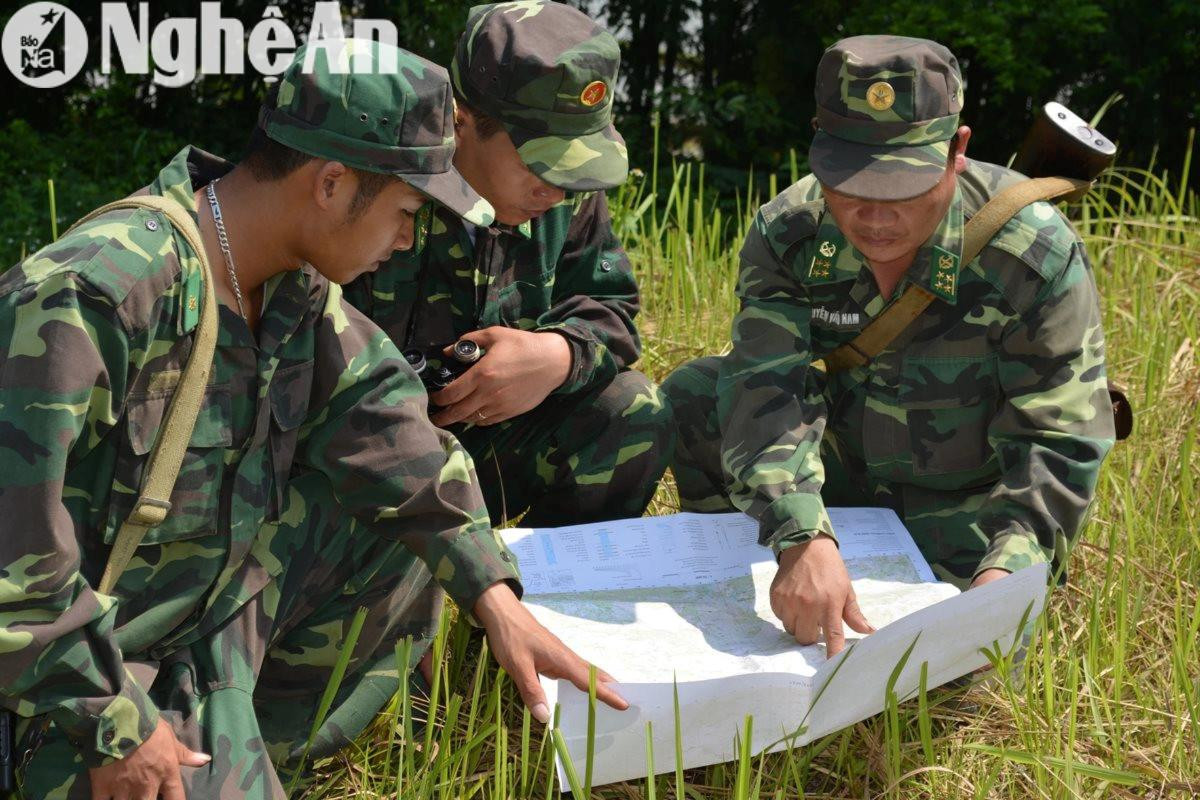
(437, 372)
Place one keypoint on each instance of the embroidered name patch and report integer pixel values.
(827, 318)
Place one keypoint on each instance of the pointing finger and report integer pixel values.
(835, 637)
(854, 616)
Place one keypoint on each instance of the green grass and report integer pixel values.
(1107, 703)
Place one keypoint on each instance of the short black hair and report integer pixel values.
(486, 125)
(269, 160)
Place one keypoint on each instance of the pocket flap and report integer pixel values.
(950, 382)
(145, 417)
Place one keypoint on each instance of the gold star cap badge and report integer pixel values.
(881, 96)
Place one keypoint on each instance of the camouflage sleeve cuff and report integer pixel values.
(794, 519)
(583, 362)
(475, 560)
(119, 729)
(1012, 551)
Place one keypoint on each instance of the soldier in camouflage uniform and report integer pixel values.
(218, 639)
(556, 420)
(983, 424)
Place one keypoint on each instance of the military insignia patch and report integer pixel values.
(820, 268)
(881, 96)
(945, 274)
(594, 93)
(827, 249)
(422, 223)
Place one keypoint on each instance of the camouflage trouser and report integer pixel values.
(586, 457)
(247, 692)
(941, 522)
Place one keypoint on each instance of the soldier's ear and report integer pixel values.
(329, 183)
(960, 152)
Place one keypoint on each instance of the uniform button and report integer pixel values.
(108, 737)
(506, 556)
(605, 266)
(151, 225)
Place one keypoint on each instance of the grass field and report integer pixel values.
(1108, 703)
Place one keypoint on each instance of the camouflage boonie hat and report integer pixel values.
(547, 73)
(887, 107)
(395, 116)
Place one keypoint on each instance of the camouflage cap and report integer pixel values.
(547, 73)
(887, 107)
(379, 109)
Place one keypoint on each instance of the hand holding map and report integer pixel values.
(683, 603)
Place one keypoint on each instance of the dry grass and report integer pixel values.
(1108, 702)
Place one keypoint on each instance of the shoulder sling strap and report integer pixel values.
(153, 503)
(979, 230)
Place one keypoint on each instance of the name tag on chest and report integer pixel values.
(836, 320)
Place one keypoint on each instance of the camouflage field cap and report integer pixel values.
(395, 116)
(887, 107)
(547, 73)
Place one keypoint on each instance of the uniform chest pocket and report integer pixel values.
(948, 404)
(290, 390)
(195, 499)
(521, 303)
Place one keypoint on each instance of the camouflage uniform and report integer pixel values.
(983, 424)
(596, 447)
(228, 620)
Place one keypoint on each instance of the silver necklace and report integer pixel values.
(223, 238)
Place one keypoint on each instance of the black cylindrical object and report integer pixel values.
(440, 379)
(7, 762)
(415, 359)
(1060, 142)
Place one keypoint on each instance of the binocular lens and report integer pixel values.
(466, 351)
(415, 359)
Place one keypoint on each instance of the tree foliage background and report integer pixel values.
(728, 80)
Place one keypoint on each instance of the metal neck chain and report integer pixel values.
(223, 238)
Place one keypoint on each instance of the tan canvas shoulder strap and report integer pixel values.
(986, 223)
(153, 503)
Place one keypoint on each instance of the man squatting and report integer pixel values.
(315, 483)
(983, 424)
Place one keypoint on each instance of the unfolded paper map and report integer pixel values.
(684, 600)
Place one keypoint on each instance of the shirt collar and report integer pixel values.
(454, 222)
(190, 169)
(935, 267)
(285, 295)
